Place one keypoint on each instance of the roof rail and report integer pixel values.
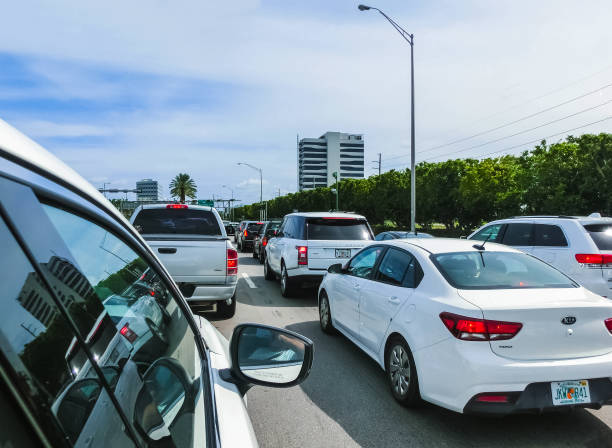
(545, 216)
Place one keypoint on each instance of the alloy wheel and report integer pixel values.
(324, 311)
(399, 370)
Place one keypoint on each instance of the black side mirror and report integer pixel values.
(268, 356)
(335, 269)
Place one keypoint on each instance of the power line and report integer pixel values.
(510, 123)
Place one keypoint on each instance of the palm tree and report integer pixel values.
(183, 185)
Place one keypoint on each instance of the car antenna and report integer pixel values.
(482, 246)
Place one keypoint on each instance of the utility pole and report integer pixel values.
(379, 162)
(335, 174)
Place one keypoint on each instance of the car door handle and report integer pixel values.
(356, 286)
(394, 300)
(167, 250)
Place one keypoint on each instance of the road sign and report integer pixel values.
(206, 202)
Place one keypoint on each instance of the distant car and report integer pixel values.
(470, 328)
(308, 243)
(395, 234)
(579, 246)
(246, 237)
(261, 240)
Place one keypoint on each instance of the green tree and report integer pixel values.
(183, 186)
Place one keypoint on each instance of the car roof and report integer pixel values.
(16, 146)
(327, 215)
(446, 245)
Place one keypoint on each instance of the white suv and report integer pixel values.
(580, 247)
(309, 243)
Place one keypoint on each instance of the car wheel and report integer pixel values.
(401, 373)
(157, 333)
(165, 315)
(325, 314)
(268, 274)
(254, 254)
(261, 257)
(225, 311)
(286, 285)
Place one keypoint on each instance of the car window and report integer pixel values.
(393, 267)
(288, 230)
(601, 234)
(138, 312)
(338, 229)
(549, 235)
(182, 221)
(254, 227)
(363, 263)
(498, 270)
(489, 233)
(518, 234)
(37, 340)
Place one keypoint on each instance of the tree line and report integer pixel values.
(572, 177)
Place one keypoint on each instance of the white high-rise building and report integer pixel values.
(319, 158)
(148, 190)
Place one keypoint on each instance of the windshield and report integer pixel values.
(338, 229)
(601, 235)
(498, 270)
(177, 221)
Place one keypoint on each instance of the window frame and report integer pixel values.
(418, 269)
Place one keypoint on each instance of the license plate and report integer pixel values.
(343, 253)
(570, 392)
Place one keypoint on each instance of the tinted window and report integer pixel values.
(489, 233)
(518, 235)
(549, 235)
(381, 237)
(39, 343)
(338, 229)
(601, 235)
(393, 267)
(138, 312)
(254, 227)
(271, 227)
(177, 221)
(363, 263)
(288, 227)
(498, 270)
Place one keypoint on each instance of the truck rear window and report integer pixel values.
(338, 229)
(601, 235)
(177, 221)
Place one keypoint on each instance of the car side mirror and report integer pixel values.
(167, 393)
(335, 269)
(268, 356)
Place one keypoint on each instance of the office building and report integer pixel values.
(319, 158)
(148, 190)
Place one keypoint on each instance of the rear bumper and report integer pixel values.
(207, 293)
(306, 275)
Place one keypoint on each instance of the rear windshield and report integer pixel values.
(254, 227)
(177, 221)
(498, 270)
(601, 235)
(338, 229)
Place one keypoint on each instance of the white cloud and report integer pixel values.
(40, 129)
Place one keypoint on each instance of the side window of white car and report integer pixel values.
(399, 268)
(364, 261)
(140, 331)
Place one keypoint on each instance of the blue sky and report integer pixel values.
(127, 90)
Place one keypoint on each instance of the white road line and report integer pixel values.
(248, 280)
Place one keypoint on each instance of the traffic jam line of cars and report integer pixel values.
(105, 340)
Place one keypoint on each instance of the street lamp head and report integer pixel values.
(364, 7)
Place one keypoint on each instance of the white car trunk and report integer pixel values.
(540, 311)
(323, 253)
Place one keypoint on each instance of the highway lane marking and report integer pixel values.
(248, 280)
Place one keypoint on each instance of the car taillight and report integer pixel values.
(471, 329)
(608, 323)
(245, 233)
(177, 206)
(264, 242)
(232, 262)
(594, 259)
(128, 333)
(494, 398)
(302, 255)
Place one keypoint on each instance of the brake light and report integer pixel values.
(302, 255)
(128, 333)
(264, 242)
(608, 323)
(246, 233)
(176, 206)
(493, 398)
(471, 329)
(594, 258)
(232, 262)
(339, 217)
(260, 223)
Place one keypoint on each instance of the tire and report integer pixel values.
(165, 315)
(225, 311)
(261, 257)
(268, 274)
(254, 254)
(325, 315)
(286, 285)
(401, 373)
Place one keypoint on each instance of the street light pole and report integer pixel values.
(231, 202)
(260, 183)
(410, 39)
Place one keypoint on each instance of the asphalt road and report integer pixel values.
(345, 401)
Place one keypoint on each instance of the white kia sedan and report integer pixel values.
(475, 328)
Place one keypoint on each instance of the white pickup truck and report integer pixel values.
(192, 244)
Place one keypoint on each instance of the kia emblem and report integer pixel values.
(568, 320)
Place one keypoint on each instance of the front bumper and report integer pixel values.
(478, 370)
